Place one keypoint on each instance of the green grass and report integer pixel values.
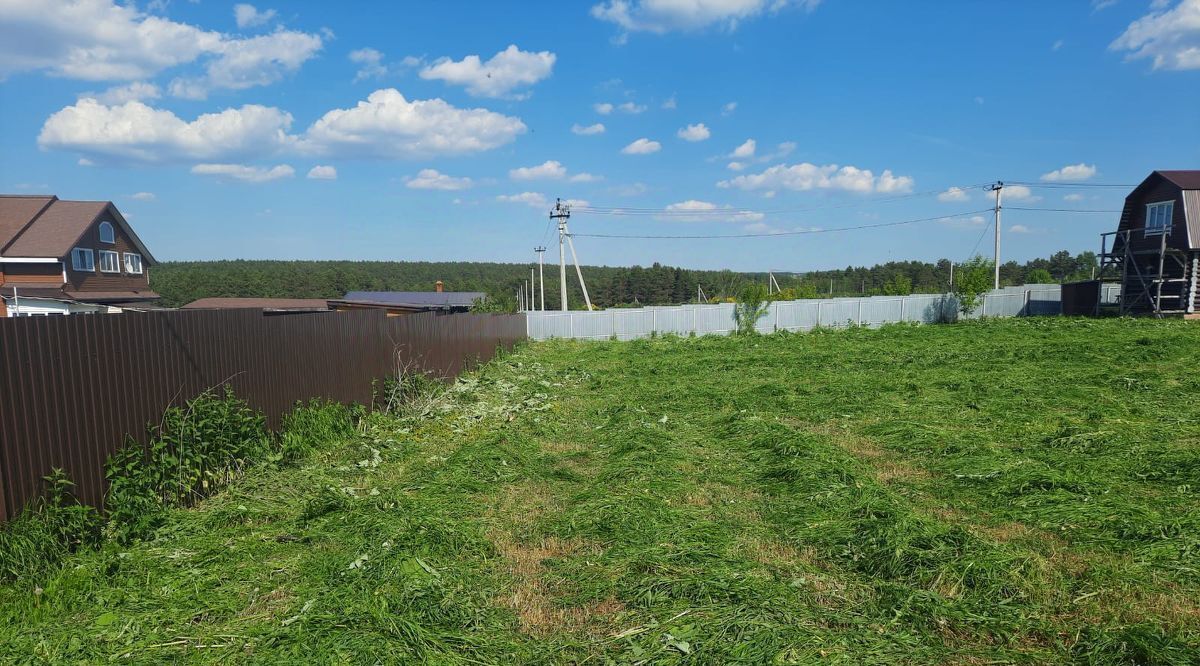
(1020, 491)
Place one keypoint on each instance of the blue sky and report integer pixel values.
(441, 131)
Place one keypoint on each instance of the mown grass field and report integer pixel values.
(1020, 491)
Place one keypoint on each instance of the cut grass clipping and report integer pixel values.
(1013, 491)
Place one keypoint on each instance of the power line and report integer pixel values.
(1062, 210)
(773, 234)
(1067, 185)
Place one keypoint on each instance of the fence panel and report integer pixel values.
(72, 388)
(801, 315)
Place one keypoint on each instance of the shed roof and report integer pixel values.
(219, 303)
(415, 299)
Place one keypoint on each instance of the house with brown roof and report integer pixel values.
(69, 257)
(267, 305)
(1155, 252)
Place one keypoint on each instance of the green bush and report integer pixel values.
(752, 305)
(47, 530)
(972, 280)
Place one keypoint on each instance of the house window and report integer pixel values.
(133, 263)
(1158, 217)
(106, 233)
(83, 260)
(110, 262)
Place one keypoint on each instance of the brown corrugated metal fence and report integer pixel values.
(72, 388)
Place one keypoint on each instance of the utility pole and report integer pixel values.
(541, 253)
(952, 276)
(561, 213)
(998, 187)
(532, 302)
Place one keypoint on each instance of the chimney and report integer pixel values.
(437, 286)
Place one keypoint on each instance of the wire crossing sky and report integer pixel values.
(835, 133)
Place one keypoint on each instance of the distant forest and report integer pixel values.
(180, 282)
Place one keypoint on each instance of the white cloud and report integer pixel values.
(432, 179)
(693, 210)
(584, 177)
(142, 196)
(250, 174)
(136, 91)
(370, 63)
(1072, 172)
(385, 126)
(736, 166)
(697, 132)
(535, 199)
(745, 150)
(1075, 196)
(894, 184)
(670, 103)
(597, 128)
(660, 16)
(98, 40)
(806, 176)
(322, 172)
(631, 108)
(953, 194)
(550, 169)
(136, 132)
(729, 108)
(245, 63)
(247, 16)
(506, 71)
(642, 146)
(1020, 229)
(1019, 193)
(388, 126)
(603, 108)
(1171, 38)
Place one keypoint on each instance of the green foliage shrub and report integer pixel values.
(47, 530)
(973, 278)
(1039, 276)
(752, 305)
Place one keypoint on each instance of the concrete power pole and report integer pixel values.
(541, 253)
(561, 213)
(998, 187)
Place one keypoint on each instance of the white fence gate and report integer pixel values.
(801, 315)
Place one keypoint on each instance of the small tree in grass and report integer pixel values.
(972, 280)
(751, 305)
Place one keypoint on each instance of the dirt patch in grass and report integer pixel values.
(533, 598)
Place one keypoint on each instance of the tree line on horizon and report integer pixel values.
(181, 282)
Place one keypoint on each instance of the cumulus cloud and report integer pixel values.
(384, 126)
(388, 126)
(322, 172)
(139, 133)
(432, 179)
(1170, 38)
(596, 128)
(642, 146)
(370, 62)
(550, 169)
(603, 108)
(697, 132)
(745, 150)
(1072, 172)
(973, 222)
(142, 196)
(694, 210)
(250, 174)
(729, 108)
(1074, 196)
(245, 63)
(584, 177)
(535, 199)
(248, 16)
(99, 40)
(1020, 229)
(806, 176)
(661, 16)
(136, 91)
(499, 76)
(953, 194)
(1019, 193)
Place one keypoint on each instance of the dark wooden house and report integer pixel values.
(1155, 252)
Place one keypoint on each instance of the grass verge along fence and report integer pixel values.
(72, 388)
